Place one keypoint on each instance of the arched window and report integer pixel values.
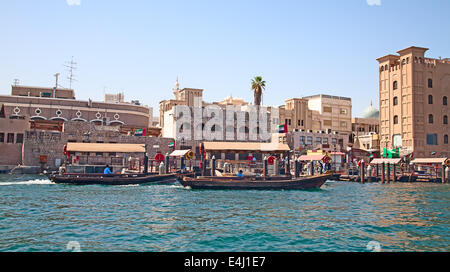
(445, 120)
(395, 85)
(430, 83)
(395, 101)
(444, 100)
(430, 119)
(386, 67)
(430, 99)
(382, 68)
(445, 139)
(395, 119)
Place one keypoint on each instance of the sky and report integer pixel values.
(299, 47)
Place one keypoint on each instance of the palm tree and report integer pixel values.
(258, 85)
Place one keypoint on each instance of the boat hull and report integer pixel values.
(131, 179)
(211, 183)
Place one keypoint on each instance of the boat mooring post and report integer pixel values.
(276, 166)
(182, 163)
(388, 172)
(394, 169)
(361, 170)
(447, 173)
(265, 167)
(443, 172)
(383, 177)
(146, 163)
(369, 173)
(287, 168)
(378, 170)
(312, 168)
(167, 163)
(161, 169)
(297, 168)
(213, 166)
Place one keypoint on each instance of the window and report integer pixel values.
(302, 140)
(19, 138)
(327, 123)
(382, 68)
(432, 139)
(395, 119)
(344, 124)
(334, 141)
(318, 140)
(430, 83)
(327, 109)
(10, 139)
(430, 99)
(395, 101)
(343, 111)
(397, 140)
(444, 100)
(445, 120)
(299, 123)
(2, 137)
(430, 119)
(395, 85)
(289, 121)
(445, 139)
(325, 140)
(309, 140)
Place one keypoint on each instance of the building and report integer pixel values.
(365, 127)
(302, 140)
(60, 104)
(324, 113)
(414, 111)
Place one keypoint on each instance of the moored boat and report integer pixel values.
(255, 183)
(122, 179)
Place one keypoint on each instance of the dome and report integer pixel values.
(371, 112)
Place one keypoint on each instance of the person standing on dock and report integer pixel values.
(107, 171)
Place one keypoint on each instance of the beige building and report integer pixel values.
(414, 110)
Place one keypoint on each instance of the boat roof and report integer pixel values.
(246, 146)
(431, 160)
(317, 157)
(102, 147)
(386, 160)
(179, 153)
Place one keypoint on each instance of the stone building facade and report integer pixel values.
(414, 108)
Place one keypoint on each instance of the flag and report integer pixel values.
(171, 144)
(139, 132)
(282, 128)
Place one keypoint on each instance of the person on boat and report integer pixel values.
(107, 171)
(240, 175)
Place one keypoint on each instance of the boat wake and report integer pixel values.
(28, 182)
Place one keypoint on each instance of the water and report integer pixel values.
(36, 215)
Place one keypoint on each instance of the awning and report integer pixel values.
(386, 161)
(179, 153)
(312, 157)
(100, 147)
(246, 146)
(430, 160)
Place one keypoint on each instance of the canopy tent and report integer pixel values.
(431, 160)
(101, 147)
(385, 161)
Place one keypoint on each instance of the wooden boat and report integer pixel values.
(122, 179)
(255, 183)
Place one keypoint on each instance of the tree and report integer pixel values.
(258, 85)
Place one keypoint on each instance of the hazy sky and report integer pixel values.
(140, 47)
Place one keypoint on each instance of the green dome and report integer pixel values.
(371, 112)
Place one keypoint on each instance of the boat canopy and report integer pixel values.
(431, 160)
(385, 161)
(318, 157)
(246, 146)
(101, 147)
(179, 153)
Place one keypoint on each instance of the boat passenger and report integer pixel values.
(107, 171)
(240, 175)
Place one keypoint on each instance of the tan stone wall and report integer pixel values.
(11, 153)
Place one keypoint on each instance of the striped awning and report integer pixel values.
(430, 160)
(318, 157)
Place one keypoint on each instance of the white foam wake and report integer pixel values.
(28, 182)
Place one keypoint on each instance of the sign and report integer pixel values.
(159, 157)
(156, 146)
(43, 159)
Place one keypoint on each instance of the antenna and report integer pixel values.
(16, 82)
(71, 66)
(56, 76)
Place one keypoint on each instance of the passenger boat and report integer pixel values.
(118, 179)
(255, 183)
